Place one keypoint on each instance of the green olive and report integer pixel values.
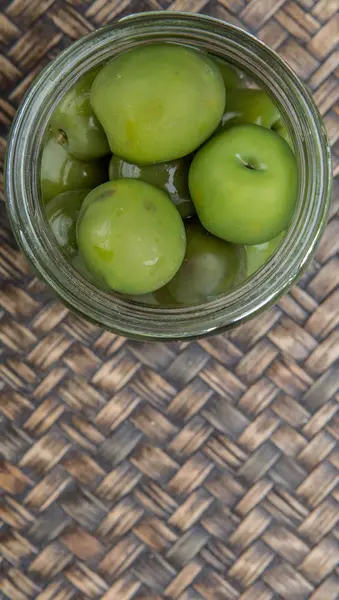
(233, 78)
(74, 124)
(158, 102)
(257, 255)
(131, 235)
(62, 213)
(211, 267)
(172, 177)
(256, 107)
(60, 172)
(244, 184)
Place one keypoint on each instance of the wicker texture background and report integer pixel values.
(204, 470)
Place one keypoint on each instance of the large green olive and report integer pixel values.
(130, 234)
(211, 267)
(60, 172)
(62, 213)
(244, 184)
(158, 102)
(74, 124)
(172, 177)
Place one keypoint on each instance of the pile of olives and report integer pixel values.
(165, 178)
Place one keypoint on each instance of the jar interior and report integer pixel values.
(162, 299)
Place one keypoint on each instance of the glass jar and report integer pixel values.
(311, 148)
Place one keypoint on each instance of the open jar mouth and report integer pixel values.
(306, 130)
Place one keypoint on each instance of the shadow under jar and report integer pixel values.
(311, 148)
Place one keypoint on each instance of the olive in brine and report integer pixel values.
(172, 177)
(61, 172)
(74, 124)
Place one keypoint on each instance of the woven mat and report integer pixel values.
(202, 470)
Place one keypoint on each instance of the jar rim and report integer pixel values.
(311, 147)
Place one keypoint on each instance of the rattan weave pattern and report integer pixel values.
(195, 471)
